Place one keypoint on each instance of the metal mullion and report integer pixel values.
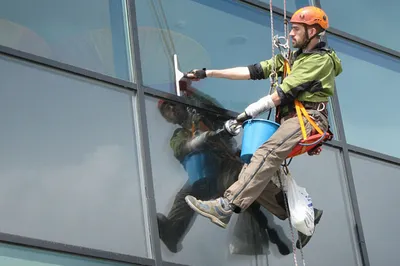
(142, 138)
(374, 155)
(363, 42)
(335, 144)
(66, 68)
(349, 173)
(264, 5)
(167, 263)
(350, 179)
(71, 249)
(183, 100)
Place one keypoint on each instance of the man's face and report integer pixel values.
(298, 34)
(174, 113)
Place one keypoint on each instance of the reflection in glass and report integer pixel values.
(68, 163)
(192, 155)
(343, 14)
(291, 5)
(234, 34)
(89, 34)
(358, 86)
(377, 186)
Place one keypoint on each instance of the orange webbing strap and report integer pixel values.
(301, 122)
(193, 129)
(301, 110)
(286, 68)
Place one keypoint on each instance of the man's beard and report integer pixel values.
(299, 44)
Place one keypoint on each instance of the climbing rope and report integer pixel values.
(162, 25)
(284, 189)
(285, 21)
(273, 75)
(284, 49)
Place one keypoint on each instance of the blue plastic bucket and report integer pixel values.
(200, 165)
(255, 133)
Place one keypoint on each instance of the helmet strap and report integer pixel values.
(308, 38)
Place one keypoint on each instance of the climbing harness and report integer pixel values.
(313, 143)
(309, 144)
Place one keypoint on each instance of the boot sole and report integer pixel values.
(213, 219)
(318, 218)
(316, 221)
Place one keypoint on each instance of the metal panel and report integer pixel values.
(143, 139)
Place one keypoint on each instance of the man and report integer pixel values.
(311, 81)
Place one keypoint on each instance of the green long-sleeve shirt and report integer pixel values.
(312, 76)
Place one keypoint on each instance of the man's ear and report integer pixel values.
(312, 31)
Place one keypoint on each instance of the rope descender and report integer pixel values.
(284, 47)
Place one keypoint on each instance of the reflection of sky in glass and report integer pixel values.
(291, 5)
(380, 230)
(368, 94)
(88, 34)
(68, 161)
(233, 34)
(359, 18)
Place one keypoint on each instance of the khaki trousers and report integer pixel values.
(254, 181)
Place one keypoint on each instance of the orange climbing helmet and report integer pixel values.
(311, 15)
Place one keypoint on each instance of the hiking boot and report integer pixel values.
(218, 210)
(166, 234)
(304, 238)
(275, 238)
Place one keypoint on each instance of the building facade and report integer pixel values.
(90, 167)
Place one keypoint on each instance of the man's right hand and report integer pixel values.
(196, 74)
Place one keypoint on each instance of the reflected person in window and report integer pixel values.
(219, 164)
(314, 67)
(193, 143)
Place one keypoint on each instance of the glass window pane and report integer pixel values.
(364, 19)
(324, 179)
(377, 185)
(368, 119)
(291, 5)
(11, 255)
(187, 238)
(89, 34)
(234, 34)
(69, 169)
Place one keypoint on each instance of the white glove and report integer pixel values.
(262, 105)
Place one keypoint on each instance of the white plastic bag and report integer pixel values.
(300, 206)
